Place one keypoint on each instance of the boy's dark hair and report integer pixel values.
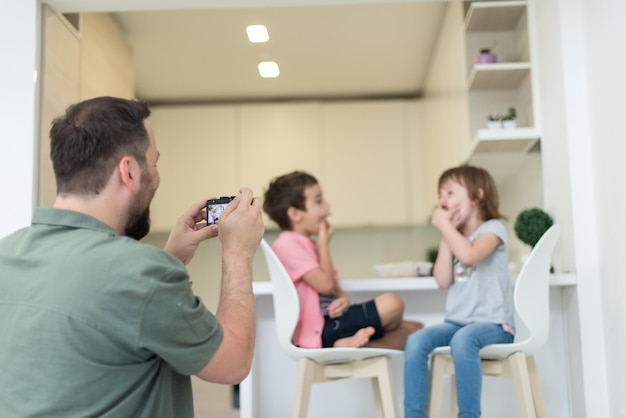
(87, 142)
(474, 178)
(284, 192)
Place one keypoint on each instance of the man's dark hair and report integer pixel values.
(284, 192)
(87, 142)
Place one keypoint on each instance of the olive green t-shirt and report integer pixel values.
(94, 324)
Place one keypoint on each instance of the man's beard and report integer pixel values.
(138, 225)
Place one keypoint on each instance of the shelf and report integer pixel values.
(494, 15)
(504, 141)
(504, 75)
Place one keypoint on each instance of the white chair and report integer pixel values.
(516, 360)
(325, 364)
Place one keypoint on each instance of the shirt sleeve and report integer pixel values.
(298, 256)
(495, 227)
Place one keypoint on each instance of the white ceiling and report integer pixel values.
(197, 50)
(331, 51)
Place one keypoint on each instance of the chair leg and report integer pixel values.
(454, 406)
(437, 372)
(302, 395)
(378, 403)
(535, 386)
(385, 399)
(519, 372)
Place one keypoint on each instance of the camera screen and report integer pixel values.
(215, 207)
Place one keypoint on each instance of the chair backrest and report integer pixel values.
(531, 294)
(286, 302)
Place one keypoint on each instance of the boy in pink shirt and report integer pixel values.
(327, 319)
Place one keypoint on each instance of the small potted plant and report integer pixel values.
(531, 224)
(510, 119)
(485, 56)
(494, 121)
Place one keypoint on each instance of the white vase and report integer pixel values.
(508, 124)
(494, 124)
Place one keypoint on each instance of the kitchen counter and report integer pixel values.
(394, 284)
(268, 390)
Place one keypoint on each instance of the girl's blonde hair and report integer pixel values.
(475, 179)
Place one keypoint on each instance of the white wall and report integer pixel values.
(519, 192)
(582, 68)
(604, 36)
(19, 25)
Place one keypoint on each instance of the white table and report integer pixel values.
(268, 391)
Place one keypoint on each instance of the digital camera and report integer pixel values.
(215, 207)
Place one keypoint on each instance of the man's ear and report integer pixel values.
(129, 173)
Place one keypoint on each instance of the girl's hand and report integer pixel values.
(338, 307)
(440, 217)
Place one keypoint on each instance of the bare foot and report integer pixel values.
(359, 339)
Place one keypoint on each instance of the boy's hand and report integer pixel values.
(338, 307)
(325, 232)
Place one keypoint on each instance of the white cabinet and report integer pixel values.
(420, 193)
(493, 88)
(364, 165)
(277, 139)
(366, 155)
(199, 158)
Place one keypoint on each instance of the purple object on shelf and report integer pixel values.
(486, 58)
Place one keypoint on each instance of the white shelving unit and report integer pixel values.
(493, 88)
(498, 76)
(504, 141)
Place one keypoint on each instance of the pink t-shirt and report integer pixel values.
(298, 254)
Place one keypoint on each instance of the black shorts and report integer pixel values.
(358, 315)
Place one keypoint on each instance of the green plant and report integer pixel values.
(494, 118)
(531, 224)
(431, 254)
(511, 115)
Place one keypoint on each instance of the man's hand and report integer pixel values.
(241, 225)
(240, 230)
(188, 232)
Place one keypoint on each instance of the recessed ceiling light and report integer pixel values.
(257, 33)
(268, 69)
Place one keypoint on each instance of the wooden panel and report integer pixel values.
(107, 67)
(60, 88)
